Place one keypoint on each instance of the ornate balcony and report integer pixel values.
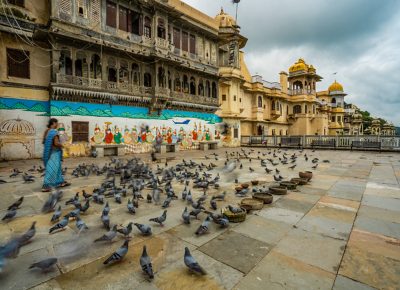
(301, 92)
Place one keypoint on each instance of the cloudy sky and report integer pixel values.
(358, 39)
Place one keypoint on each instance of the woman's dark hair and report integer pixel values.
(51, 122)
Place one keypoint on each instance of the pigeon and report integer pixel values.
(126, 230)
(149, 198)
(16, 204)
(10, 249)
(203, 228)
(130, 207)
(56, 215)
(251, 169)
(74, 213)
(86, 195)
(195, 212)
(28, 235)
(119, 254)
(144, 229)
(85, 207)
(106, 209)
(292, 167)
(73, 199)
(166, 202)
(145, 263)
(213, 204)
(186, 216)
(80, 224)
(160, 219)
(109, 236)
(44, 265)
(59, 226)
(106, 221)
(220, 196)
(9, 215)
(28, 178)
(191, 263)
(156, 196)
(234, 209)
(223, 222)
(315, 166)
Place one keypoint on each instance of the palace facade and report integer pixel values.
(125, 72)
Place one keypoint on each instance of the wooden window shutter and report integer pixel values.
(185, 39)
(177, 38)
(18, 64)
(140, 24)
(123, 18)
(192, 44)
(130, 15)
(111, 14)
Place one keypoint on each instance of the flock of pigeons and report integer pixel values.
(126, 180)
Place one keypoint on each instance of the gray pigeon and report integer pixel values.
(59, 226)
(44, 265)
(166, 202)
(56, 215)
(130, 207)
(126, 230)
(203, 228)
(74, 213)
(16, 204)
(106, 209)
(144, 229)
(160, 219)
(234, 209)
(80, 224)
(156, 196)
(9, 215)
(25, 238)
(10, 249)
(192, 264)
(106, 221)
(223, 222)
(109, 236)
(195, 212)
(213, 204)
(186, 216)
(119, 254)
(145, 263)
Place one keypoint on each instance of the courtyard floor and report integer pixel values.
(341, 231)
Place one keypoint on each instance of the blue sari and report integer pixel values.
(52, 157)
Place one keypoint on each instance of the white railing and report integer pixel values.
(269, 85)
(389, 143)
(301, 92)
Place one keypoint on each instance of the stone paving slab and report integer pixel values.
(236, 250)
(307, 247)
(344, 283)
(281, 214)
(277, 271)
(378, 226)
(263, 229)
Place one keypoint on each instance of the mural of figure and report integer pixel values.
(127, 136)
(98, 136)
(149, 137)
(181, 134)
(117, 136)
(169, 137)
(174, 137)
(109, 137)
(208, 136)
(200, 136)
(194, 133)
(62, 134)
(134, 134)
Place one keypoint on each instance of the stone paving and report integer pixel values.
(341, 232)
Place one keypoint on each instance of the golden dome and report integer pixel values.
(16, 127)
(225, 20)
(300, 65)
(335, 87)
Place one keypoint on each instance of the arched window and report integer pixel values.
(208, 89)
(169, 80)
(135, 74)
(81, 69)
(123, 72)
(313, 109)
(177, 84)
(287, 133)
(95, 67)
(333, 101)
(305, 109)
(161, 77)
(161, 28)
(259, 102)
(214, 90)
(112, 71)
(272, 105)
(281, 132)
(200, 90)
(147, 80)
(147, 27)
(185, 84)
(65, 62)
(297, 85)
(192, 86)
(297, 109)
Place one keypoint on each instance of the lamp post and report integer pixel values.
(237, 5)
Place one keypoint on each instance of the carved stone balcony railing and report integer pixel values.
(301, 92)
(98, 84)
(162, 43)
(185, 97)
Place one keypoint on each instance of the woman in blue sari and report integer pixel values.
(52, 158)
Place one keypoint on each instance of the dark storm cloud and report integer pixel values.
(359, 39)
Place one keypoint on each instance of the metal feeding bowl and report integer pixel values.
(306, 174)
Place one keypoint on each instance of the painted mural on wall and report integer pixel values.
(22, 123)
(134, 127)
